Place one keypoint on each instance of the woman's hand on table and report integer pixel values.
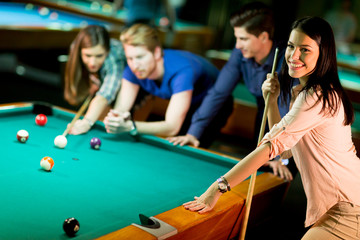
(206, 201)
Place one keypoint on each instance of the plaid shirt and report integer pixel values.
(111, 71)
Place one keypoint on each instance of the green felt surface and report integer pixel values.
(241, 93)
(356, 124)
(16, 14)
(350, 80)
(352, 59)
(104, 189)
(99, 9)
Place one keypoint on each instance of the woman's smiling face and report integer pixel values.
(301, 55)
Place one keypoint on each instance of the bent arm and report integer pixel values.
(174, 118)
(248, 165)
(216, 96)
(126, 96)
(236, 175)
(272, 86)
(96, 108)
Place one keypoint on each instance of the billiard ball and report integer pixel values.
(43, 11)
(29, 7)
(95, 6)
(107, 8)
(41, 119)
(60, 141)
(22, 136)
(54, 16)
(47, 163)
(71, 226)
(164, 22)
(95, 143)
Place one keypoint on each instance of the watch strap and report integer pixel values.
(133, 130)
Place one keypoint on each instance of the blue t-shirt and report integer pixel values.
(238, 67)
(182, 71)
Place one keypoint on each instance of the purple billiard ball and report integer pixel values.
(95, 143)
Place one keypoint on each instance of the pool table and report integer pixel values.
(189, 36)
(43, 29)
(349, 61)
(107, 189)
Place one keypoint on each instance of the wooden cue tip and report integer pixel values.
(275, 61)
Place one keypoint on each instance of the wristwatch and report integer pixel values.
(133, 130)
(223, 185)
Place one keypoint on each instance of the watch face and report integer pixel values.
(222, 186)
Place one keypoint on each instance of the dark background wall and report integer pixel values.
(216, 14)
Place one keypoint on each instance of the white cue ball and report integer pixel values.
(60, 141)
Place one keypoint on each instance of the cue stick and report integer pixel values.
(253, 176)
(78, 114)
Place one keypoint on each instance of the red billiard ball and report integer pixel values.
(47, 163)
(71, 226)
(22, 136)
(41, 119)
(95, 143)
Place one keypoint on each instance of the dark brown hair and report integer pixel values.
(76, 75)
(256, 18)
(325, 75)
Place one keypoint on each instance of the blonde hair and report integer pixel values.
(141, 35)
(76, 75)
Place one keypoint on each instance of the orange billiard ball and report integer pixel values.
(47, 163)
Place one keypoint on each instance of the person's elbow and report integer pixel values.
(173, 129)
(103, 99)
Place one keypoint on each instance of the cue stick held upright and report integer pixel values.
(253, 176)
(78, 114)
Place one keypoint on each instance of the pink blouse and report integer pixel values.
(323, 151)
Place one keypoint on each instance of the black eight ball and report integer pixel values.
(71, 226)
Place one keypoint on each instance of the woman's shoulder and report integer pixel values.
(309, 98)
(115, 42)
(116, 47)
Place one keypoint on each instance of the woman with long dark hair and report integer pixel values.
(316, 132)
(94, 67)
